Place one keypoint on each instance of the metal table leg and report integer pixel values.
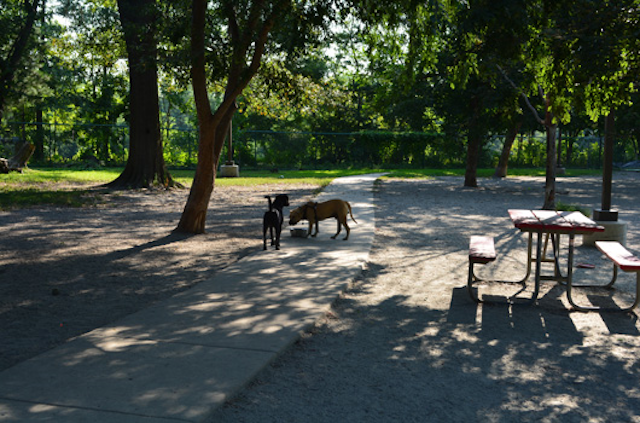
(536, 290)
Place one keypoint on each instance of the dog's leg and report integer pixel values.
(278, 227)
(347, 228)
(310, 231)
(271, 234)
(339, 229)
(264, 236)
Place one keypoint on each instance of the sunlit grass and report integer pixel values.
(77, 187)
(71, 176)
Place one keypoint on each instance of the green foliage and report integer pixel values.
(371, 89)
(20, 50)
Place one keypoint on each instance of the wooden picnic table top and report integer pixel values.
(552, 221)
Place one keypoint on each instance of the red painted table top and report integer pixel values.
(553, 221)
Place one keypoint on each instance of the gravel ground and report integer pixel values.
(406, 344)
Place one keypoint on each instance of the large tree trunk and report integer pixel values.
(145, 163)
(503, 162)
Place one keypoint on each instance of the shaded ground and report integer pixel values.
(406, 343)
(66, 271)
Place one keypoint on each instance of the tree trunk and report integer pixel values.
(607, 161)
(16, 51)
(39, 141)
(473, 154)
(213, 128)
(19, 160)
(474, 142)
(211, 140)
(145, 163)
(550, 183)
(501, 169)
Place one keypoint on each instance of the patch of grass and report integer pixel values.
(56, 187)
(44, 175)
(560, 206)
(70, 187)
(27, 197)
(284, 177)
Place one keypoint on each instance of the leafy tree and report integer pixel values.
(481, 37)
(605, 45)
(90, 88)
(241, 31)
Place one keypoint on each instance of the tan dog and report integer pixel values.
(315, 212)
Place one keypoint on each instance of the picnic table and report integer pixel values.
(552, 224)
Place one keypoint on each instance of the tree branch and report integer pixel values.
(524, 96)
(234, 31)
(235, 88)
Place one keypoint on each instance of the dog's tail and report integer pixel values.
(350, 213)
(268, 197)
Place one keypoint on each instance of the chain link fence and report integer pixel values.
(106, 144)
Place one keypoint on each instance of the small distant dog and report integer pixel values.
(273, 219)
(315, 212)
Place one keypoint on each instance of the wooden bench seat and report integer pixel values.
(624, 260)
(619, 255)
(481, 251)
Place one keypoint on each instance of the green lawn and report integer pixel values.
(75, 188)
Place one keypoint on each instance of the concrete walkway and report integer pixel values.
(180, 359)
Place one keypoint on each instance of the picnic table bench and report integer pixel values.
(482, 251)
(622, 259)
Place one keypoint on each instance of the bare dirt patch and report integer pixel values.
(66, 271)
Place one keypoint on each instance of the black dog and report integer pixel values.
(273, 219)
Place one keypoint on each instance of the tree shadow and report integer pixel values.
(520, 362)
